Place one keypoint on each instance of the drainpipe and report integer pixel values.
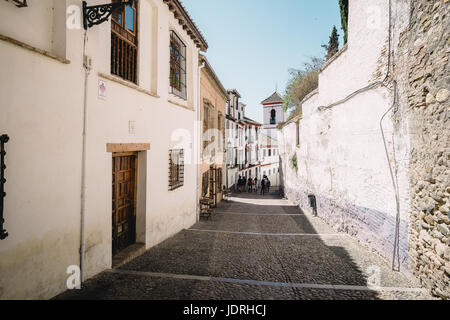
(199, 139)
(396, 251)
(87, 69)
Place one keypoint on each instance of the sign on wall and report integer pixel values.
(102, 89)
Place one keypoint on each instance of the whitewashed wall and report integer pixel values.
(341, 156)
(42, 112)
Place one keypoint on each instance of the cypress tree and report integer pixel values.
(333, 44)
(343, 4)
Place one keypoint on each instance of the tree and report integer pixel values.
(343, 4)
(302, 82)
(333, 44)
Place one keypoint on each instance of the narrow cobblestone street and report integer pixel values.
(254, 247)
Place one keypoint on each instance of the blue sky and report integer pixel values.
(253, 43)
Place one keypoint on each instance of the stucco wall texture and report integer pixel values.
(341, 157)
(42, 112)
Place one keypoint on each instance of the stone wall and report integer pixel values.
(424, 82)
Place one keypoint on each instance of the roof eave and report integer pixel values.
(180, 13)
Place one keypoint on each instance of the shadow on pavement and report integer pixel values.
(267, 260)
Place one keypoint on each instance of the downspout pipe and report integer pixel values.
(87, 70)
(199, 140)
(396, 252)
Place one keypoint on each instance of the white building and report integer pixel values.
(135, 87)
(270, 159)
(250, 168)
(234, 137)
(274, 114)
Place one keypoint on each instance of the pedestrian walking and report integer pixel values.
(243, 184)
(263, 185)
(268, 185)
(250, 185)
(239, 184)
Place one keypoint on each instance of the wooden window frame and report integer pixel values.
(176, 169)
(124, 46)
(177, 66)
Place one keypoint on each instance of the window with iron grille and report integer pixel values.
(124, 43)
(205, 183)
(221, 129)
(177, 66)
(176, 169)
(207, 124)
(219, 179)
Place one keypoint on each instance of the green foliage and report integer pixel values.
(301, 83)
(294, 163)
(343, 4)
(333, 44)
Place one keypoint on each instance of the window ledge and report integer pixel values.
(34, 49)
(180, 105)
(127, 84)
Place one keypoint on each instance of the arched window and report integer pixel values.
(273, 114)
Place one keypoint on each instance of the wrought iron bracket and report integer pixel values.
(20, 3)
(98, 14)
(3, 139)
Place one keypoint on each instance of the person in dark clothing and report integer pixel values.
(250, 185)
(268, 185)
(263, 185)
(239, 184)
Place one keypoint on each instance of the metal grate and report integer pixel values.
(177, 66)
(176, 169)
(3, 139)
(205, 183)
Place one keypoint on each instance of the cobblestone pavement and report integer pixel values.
(254, 247)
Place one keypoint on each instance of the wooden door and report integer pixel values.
(123, 200)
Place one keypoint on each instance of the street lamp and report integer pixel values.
(98, 14)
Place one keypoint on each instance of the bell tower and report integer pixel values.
(273, 113)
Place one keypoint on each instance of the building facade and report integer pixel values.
(270, 159)
(234, 140)
(110, 115)
(274, 114)
(214, 98)
(250, 166)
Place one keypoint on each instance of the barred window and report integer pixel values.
(176, 169)
(206, 125)
(177, 66)
(221, 129)
(219, 180)
(124, 43)
(205, 183)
